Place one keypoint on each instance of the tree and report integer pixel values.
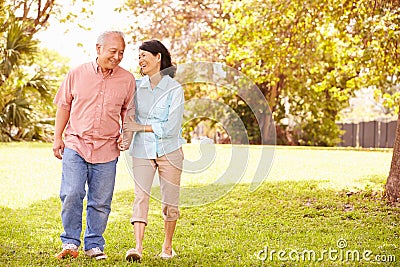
(26, 87)
(304, 55)
(382, 48)
(392, 187)
(16, 117)
(183, 24)
(389, 56)
(33, 13)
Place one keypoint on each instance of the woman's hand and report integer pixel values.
(133, 127)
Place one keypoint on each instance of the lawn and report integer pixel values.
(316, 207)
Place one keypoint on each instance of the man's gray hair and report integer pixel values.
(102, 37)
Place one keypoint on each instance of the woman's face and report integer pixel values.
(149, 63)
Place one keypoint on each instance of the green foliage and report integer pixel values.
(316, 132)
(313, 56)
(29, 78)
(219, 115)
(298, 58)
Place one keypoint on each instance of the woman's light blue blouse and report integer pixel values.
(162, 108)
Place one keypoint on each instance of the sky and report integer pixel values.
(104, 18)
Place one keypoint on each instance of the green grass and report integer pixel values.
(302, 206)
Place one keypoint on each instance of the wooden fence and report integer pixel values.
(368, 134)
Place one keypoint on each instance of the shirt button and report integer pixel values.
(97, 119)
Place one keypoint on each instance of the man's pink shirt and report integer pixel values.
(97, 106)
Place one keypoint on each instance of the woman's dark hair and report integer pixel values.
(155, 47)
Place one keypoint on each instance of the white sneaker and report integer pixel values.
(96, 253)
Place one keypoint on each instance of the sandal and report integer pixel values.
(133, 255)
(166, 256)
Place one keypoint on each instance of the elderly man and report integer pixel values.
(92, 101)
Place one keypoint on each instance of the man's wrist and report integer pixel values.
(58, 137)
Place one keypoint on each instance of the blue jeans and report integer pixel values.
(100, 179)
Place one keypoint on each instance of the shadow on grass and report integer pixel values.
(240, 229)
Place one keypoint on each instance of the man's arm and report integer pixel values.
(62, 117)
(128, 117)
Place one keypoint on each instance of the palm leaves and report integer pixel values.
(17, 45)
(20, 83)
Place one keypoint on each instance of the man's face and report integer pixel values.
(110, 54)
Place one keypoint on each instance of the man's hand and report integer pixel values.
(58, 148)
(124, 140)
(62, 117)
(120, 145)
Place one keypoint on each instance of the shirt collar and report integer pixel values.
(97, 68)
(162, 85)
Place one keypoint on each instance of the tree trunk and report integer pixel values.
(268, 131)
(392, 188)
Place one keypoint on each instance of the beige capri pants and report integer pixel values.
(169, 170)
